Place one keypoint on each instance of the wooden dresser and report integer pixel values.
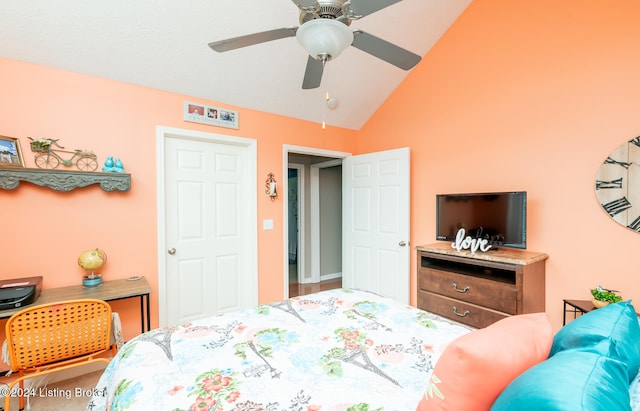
(479, 288)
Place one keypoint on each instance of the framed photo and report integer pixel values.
(10, 153)
(213, 116)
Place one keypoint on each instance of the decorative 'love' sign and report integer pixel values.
(469, 243)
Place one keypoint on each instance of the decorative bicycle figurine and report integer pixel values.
(49, 158)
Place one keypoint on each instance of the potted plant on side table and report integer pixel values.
(603, 297)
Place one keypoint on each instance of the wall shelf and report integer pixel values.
(63, 180)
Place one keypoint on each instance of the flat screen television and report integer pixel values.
(500, 218)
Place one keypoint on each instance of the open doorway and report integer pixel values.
(313, 218)
(375, 253)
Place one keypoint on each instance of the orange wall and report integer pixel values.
(44, 231)
(516, 96)
(522, 95)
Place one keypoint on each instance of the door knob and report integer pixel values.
(171, 251)
(402, 243)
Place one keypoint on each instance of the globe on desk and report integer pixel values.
(90, 261)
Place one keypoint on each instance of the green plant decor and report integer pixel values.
(608, 296)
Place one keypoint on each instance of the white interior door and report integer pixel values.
(375, 221)
(209, 249)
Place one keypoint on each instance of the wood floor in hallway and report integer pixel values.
(296, 289)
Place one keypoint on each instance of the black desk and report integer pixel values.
(107, 291)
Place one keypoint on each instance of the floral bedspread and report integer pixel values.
(334, 350)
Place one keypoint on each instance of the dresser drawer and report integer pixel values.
(465, 313)
(497, 295)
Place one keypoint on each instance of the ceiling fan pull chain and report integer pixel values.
(326, 100)
(324, 110)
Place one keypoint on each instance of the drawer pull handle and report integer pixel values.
(461, 290)
(464, 314)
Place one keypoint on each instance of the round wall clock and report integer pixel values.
(618, 184)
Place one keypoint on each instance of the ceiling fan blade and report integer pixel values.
(312, 74)
(251, 39)
(366, 7)
(305, 4)
(384, 50)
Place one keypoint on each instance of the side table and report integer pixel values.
(574, 307)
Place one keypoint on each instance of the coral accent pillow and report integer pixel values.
(475, 368)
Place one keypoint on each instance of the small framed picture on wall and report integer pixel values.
(213, 116)
(10, 152)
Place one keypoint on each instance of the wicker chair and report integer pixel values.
(52, 337)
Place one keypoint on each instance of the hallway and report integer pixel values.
(296, 289)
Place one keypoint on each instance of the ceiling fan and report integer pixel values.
(324, 32)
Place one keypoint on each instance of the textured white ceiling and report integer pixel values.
(163, 44)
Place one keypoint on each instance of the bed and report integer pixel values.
(350, 350)
(334, 350)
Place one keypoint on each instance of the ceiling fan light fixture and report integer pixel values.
(324, 38)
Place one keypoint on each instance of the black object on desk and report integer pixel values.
(19, 292)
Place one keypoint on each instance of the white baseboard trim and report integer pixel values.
(331, 276)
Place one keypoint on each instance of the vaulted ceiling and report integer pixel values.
(164, 45)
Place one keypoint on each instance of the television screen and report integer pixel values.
(500, 218)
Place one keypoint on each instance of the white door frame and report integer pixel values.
(300, 262)
(314, 186)
(310, 151)
(162, 133)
